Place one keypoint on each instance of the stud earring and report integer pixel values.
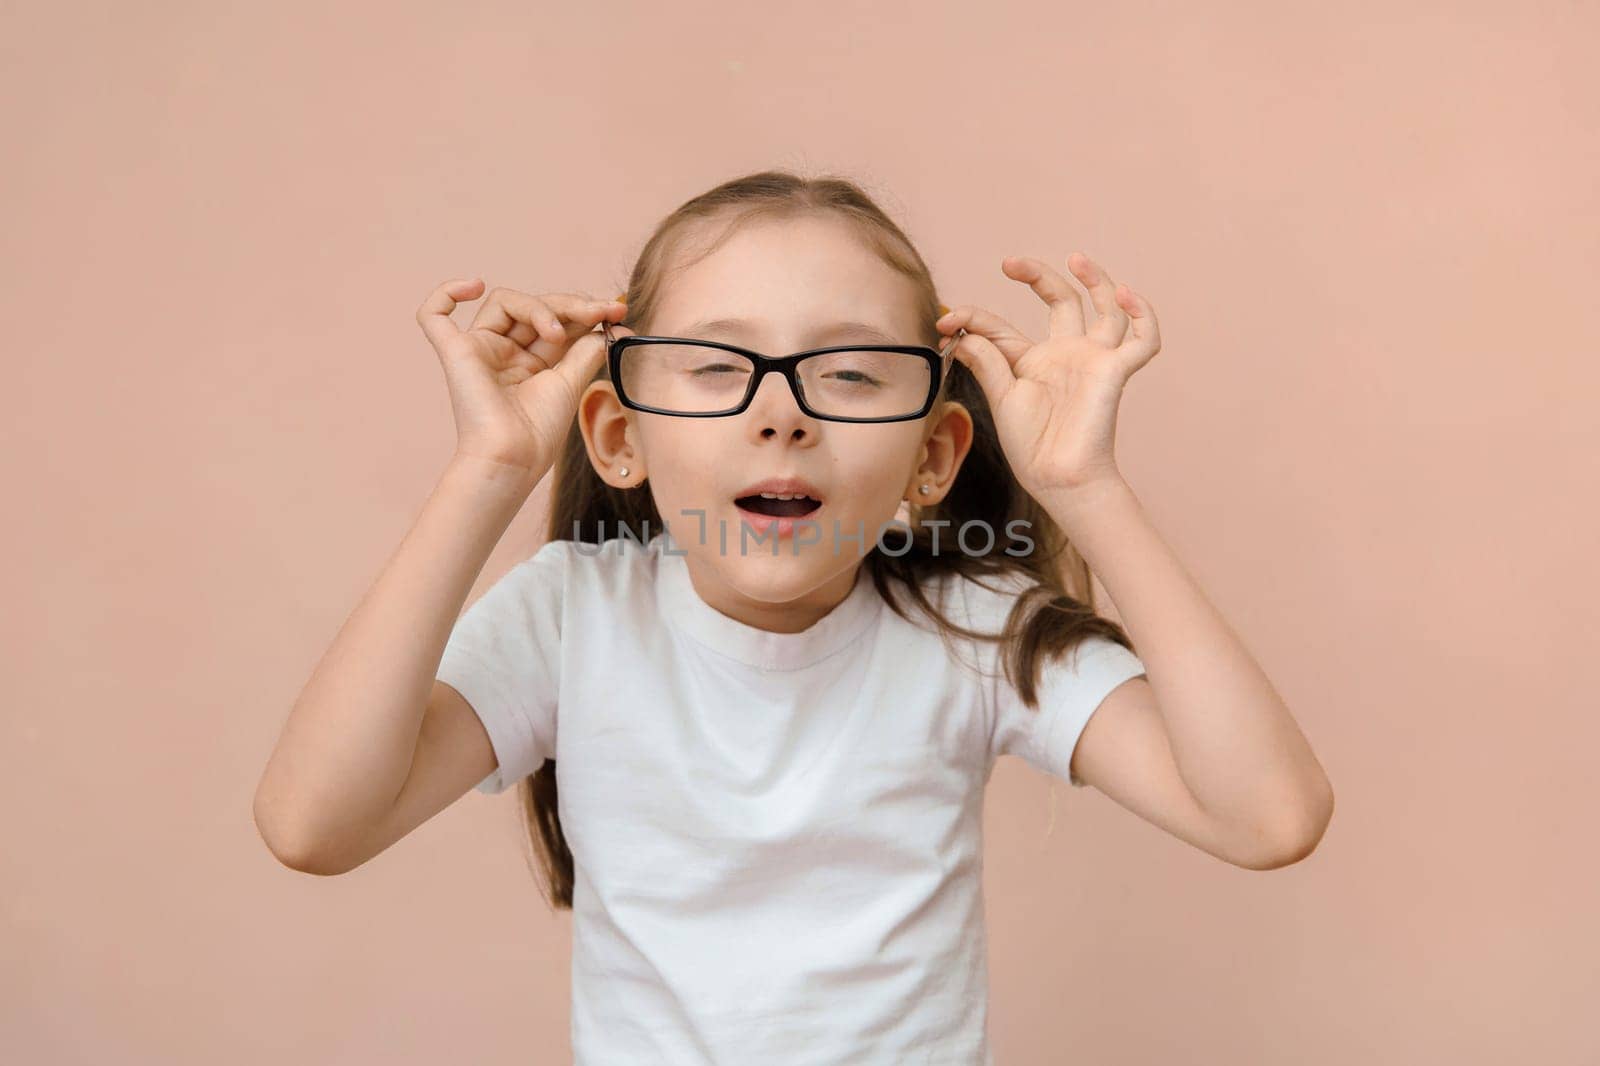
(622, 471)
(923, 489)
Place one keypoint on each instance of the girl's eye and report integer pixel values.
(854, 377)
(716, 367)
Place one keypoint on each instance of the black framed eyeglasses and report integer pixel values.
(710, 379)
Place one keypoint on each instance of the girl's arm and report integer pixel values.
(375, 745)
(331, 794)
(1205, 748)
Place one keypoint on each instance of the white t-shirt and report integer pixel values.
(777, 837)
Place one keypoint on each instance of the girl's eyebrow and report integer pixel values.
(736, 325)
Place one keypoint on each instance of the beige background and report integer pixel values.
(1369, 231)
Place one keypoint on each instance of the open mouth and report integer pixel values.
(777, 506)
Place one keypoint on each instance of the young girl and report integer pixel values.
(751, 713)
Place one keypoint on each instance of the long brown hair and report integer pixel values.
(1055, 610)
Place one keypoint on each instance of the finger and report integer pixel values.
(1144, 338)
(1066, 304)
(988, 364)
(544, 355)
(508, 311)
(553, 317)
(1006, 338)
(434, 314)
(1112, 323)
(582, 362)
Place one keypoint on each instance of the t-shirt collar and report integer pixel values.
(686, 611)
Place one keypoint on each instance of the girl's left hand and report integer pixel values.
(1055, 401)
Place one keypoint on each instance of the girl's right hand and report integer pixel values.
(516, 373)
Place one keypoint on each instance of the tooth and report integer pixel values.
(782, 495)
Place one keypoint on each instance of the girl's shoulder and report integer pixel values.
(561, 569)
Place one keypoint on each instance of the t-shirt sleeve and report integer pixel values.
(503, 656)
(1071, 687)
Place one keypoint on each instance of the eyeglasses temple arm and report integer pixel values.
(944, 356)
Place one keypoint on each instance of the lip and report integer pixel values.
(793, 486)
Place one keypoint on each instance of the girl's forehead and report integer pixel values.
(826, 308)
(804, 289)
(874, 327)
(762, 278)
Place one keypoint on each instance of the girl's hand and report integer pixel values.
(1055, 402)
(516, 373)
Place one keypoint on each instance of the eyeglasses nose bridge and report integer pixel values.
(776, 368)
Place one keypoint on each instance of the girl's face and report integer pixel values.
(779, 286)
